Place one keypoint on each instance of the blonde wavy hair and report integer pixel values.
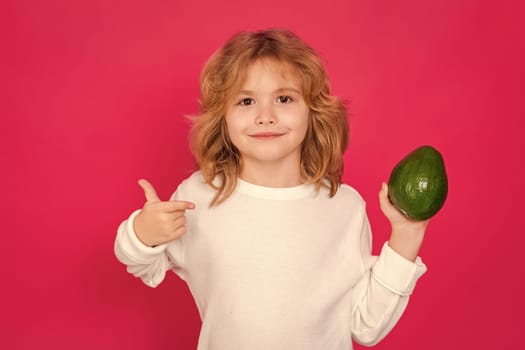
(222, 77)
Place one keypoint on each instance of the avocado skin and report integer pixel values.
(418, 184)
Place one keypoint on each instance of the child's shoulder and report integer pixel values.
(195, 186)
(347, 193)
(194, 181)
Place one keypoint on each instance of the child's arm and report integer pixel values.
(382, 294)
(142, 240)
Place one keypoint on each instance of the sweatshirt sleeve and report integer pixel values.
(147, 263)
(381, 295)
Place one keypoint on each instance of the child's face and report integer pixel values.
(268, 119)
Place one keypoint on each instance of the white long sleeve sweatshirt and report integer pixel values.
(279, 268)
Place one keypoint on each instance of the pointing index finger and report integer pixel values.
(179, 205)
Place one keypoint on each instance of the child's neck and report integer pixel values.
(270, 175)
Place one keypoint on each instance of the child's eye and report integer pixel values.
(246, 101)
(284, 99)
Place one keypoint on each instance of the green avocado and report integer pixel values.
(418, 184)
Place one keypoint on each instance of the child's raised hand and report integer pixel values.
(160, 222)
(407, 235)
(393, 215)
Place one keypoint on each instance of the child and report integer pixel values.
(275, 250)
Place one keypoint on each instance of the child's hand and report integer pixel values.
(160, 222)
(396, 218)
(407, 235)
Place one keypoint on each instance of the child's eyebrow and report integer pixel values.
(287, 89)
(278, 91)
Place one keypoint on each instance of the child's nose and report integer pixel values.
(266, 116)
(265, 121)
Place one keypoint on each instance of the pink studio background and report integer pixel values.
(94, 98)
